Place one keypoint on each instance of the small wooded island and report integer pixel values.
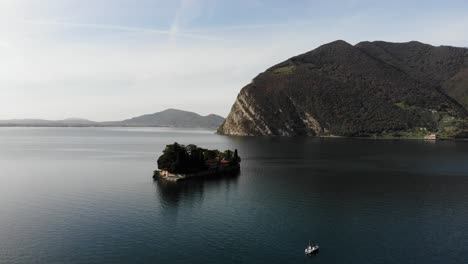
(180, 162)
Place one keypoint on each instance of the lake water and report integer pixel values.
(86, 195)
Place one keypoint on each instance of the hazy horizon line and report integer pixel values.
(101, 121)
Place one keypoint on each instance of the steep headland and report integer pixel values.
(371, 89)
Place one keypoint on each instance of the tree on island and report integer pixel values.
(211, 154)
(235, 158)
(228, 154)
(177, 158)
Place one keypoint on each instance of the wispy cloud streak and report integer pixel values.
(187, 10)
(169, 33)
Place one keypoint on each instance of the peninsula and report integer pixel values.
(180, 162)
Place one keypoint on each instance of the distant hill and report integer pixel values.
(379, 89)
(166, 118)
(171, 118)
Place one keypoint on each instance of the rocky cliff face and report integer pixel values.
(371, 89)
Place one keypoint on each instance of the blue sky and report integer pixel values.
(114, 59)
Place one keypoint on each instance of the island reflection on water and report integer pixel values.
(170, 193)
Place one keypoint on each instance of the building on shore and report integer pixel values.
(432, 136)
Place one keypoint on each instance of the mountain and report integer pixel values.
(166, 118)
(377, 89)
(444, 67)
(172, 118)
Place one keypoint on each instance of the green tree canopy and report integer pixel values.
(177, 158)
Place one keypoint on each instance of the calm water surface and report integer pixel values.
(86, 195)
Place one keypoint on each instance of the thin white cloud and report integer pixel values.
(120, 28)
(187, 11)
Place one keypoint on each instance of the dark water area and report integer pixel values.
(86, 195)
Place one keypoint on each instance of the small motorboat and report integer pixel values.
(311, 248)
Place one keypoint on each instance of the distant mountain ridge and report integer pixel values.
(166, 118)
(172, 118)
(376, 89)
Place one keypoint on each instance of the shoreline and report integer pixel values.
(347, 137)
(208, 129)
(205, 173)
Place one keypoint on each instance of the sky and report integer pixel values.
(115, 59)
